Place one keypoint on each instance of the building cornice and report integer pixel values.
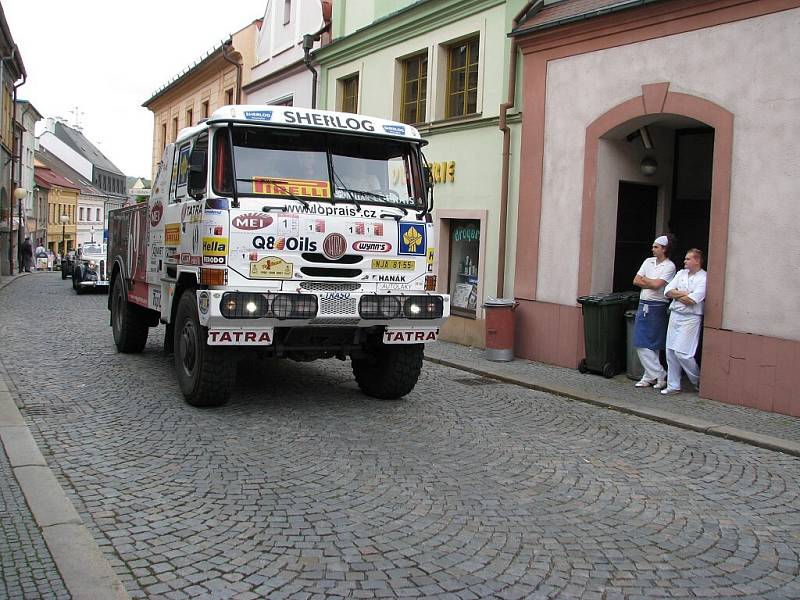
(411, 22)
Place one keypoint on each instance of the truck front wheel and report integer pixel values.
(129, 325)
(205, 374)
(391, 372)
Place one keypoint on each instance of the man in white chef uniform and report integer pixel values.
(688, 292)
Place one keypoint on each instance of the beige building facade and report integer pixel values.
(214, 81)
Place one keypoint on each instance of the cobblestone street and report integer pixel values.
(301, 487)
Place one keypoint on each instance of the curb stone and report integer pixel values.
(668, 418)
(86, 573)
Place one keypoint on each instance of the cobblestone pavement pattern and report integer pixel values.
(26, 567)
(303, 488)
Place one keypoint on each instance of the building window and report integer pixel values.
(229, 96)
(174, 128)
(97, 214)
(80, 214)
(189, 117)
(205, 109)
(465, 245)
(415, 84)
(163, 136)
(287, 11)
(349, 87)
(462, 78)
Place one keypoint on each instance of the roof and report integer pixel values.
(52, 162)
(570, 11)
(208, 58)
(47, 178)
(78, 142)
(7, 45)
(30, 107)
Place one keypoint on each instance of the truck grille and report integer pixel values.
(338, 306)
(324, 272)
(322, 286)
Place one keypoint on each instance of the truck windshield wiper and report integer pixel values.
(341, 185)
(280, 184)
(396, 217)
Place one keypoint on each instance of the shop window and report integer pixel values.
(464, 260)
(205, 109)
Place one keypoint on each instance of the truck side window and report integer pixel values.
(183, 171)
(223, 178)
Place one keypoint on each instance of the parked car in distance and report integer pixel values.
(89, 271)
(67, 264)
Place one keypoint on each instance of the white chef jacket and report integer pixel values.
(653, 270)
(685, 321)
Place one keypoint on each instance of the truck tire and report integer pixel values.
(391, 373)
(205, 374)
(127, 321)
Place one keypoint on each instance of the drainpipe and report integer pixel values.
(238, 66)
(504, 107)
(308, 46)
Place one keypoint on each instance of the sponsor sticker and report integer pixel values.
(215, 246)
(271, 267)
(412, 239)
(394, 129)
(409, 336)
(172, 234)
(258, 115)
(239, 337)
(156, 212)
(190, 259)
(365, 246)
(252, 221)
(192, 213)
(310, 188)
(394, 263)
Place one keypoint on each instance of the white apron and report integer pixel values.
(683, 332)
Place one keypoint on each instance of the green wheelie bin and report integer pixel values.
(604, 331)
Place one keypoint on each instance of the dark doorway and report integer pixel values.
(636, 224)
(690, 214)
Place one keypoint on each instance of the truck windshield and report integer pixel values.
(319, 166)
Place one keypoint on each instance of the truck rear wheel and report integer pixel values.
(127, 321)
(205, 374)
(391, 372)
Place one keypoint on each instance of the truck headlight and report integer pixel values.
(423, 307)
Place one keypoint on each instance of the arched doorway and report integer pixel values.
(657, 179)
(675, 111)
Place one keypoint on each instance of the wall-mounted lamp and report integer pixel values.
(648, 166)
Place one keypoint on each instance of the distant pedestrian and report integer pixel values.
(688, 293)
(650, 326)
(26, 255)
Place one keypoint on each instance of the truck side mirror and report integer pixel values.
(197, 174)
(428, 176)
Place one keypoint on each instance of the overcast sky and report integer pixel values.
(107, 57)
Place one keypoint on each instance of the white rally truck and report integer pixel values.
(282, 232)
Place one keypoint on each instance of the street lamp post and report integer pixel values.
(64, 220)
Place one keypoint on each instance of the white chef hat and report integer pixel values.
(662, 241)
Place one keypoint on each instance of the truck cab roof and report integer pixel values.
(307, 118)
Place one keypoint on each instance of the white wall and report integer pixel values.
(84, 227)
(65, 153)
(279, 45)
(747, 67)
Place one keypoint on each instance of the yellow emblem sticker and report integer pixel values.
(215, 246)
(172, 234)
(271, 267)
(393, 263)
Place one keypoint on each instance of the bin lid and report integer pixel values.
(490, 302)
(610, 298)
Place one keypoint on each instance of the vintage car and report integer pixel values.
(90, 270)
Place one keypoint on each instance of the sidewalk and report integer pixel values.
(45, 549)
(748, 425)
